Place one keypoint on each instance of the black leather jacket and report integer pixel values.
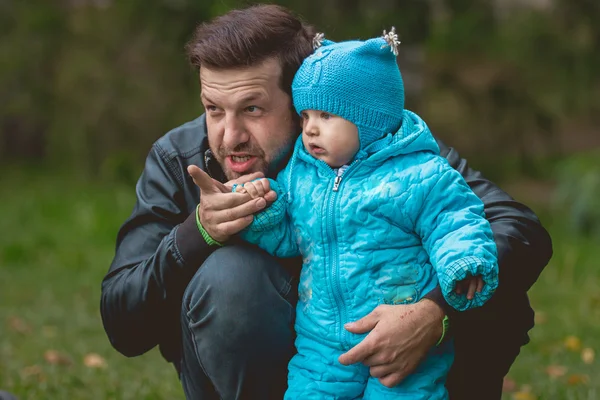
(159, 249)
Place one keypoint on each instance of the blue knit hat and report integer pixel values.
(357, 80)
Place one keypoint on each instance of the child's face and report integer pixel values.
(329, 138)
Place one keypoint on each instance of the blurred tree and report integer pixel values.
(30, 38)
(90, 84)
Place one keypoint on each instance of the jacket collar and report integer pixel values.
(213, 168)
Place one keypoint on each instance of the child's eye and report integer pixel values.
(325, 115)
(304, 115)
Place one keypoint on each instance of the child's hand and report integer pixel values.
(257, 188)
(470, 285)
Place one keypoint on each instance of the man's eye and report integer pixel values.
(210, 108)
(252, 109)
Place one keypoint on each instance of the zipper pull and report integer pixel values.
(338, 177)
(336, 183)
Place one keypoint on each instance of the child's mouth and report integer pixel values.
(316, 149)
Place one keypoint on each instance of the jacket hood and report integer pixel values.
(413, 136)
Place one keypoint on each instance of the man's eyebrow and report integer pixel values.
(205, 98)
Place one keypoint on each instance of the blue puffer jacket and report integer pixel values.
(376, 232)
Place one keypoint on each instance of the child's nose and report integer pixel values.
(311, 128)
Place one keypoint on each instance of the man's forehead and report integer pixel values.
(243, 89)
(261, 75)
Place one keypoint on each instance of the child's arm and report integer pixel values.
(457, 237)
(271, 229)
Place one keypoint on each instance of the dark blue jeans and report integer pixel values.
(237, 329)
(237, 325)
(6, 396)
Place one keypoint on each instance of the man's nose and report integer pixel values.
(235, 132)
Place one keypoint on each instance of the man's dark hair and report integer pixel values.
(249, 36)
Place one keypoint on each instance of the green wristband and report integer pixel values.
(445, 323)
(207, 238)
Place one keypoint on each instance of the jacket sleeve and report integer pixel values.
(272, 229)
(158, 251)
(524, 246)
(456, 235)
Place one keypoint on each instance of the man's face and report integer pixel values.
(248, 117)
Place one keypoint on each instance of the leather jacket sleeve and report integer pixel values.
(524, 246)
(158, 251)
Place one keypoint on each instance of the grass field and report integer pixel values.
(57, 240)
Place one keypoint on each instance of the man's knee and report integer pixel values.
(6, 396)
(234, 274)
(239, 289)
(237, 316)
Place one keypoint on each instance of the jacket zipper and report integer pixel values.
(333, 252)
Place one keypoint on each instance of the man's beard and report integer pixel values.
(222, 153)
(261, 164)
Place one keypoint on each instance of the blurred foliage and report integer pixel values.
(88, 85)
(578, 193)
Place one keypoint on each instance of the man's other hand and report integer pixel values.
(400, 337)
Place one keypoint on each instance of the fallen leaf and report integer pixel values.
(508, 385)
(556, 371)
(595, 301)
(55, 358)
(524, 396)
(33, 371)
(540, 318)
(94, 360)
(19, 326)
(573, 343)
(588, 355)
(578, 379)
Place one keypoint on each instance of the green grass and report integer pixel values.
(567, 302)
(56, 243)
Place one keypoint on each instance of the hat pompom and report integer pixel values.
(318, 40)
(391, 39)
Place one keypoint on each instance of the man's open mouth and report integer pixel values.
(241, 159)
(241, 164)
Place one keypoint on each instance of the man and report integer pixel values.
(221, 310)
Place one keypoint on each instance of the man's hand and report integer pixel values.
(256, 188)
(400, 337)
(221, 212)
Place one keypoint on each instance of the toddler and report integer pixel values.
(378, 216)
